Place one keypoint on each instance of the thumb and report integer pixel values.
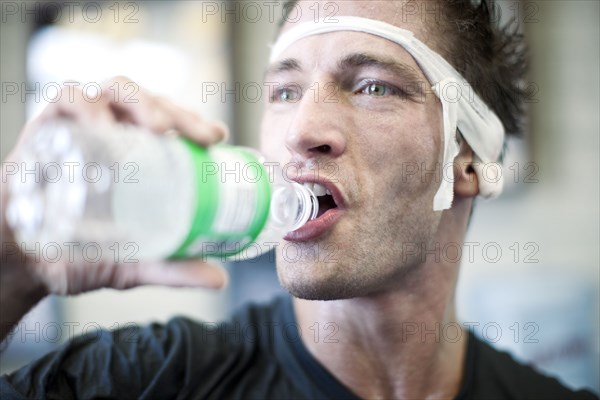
(188, 273)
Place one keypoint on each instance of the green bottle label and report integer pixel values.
(233, 196)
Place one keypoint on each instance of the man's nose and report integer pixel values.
(320, 125)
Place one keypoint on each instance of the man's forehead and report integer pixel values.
(401, 13)
(358, 51)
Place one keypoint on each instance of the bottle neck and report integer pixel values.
(308, 205)
(292, 204)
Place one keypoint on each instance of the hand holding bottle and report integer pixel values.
(26, 277)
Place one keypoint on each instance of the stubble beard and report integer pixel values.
(351, 270)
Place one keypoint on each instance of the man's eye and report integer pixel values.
(380, 89)
(376, 89)
(287, 95)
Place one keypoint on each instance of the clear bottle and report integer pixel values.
(122, 194)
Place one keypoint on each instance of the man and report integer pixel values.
(376, 109)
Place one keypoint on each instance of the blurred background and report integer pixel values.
(530, 281)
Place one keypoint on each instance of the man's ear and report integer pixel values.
(466, 183)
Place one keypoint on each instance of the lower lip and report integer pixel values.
(316, 227)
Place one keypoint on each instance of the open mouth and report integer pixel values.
(331, 208)
(326, 201)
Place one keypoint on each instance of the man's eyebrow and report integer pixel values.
(288, 64)
(354, 61)
(361, 60)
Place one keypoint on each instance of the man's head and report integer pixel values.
(342, 110)
(467, 33)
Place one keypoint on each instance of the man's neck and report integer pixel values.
(400, 343)
(394, 345)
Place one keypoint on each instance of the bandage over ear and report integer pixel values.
(462, 108)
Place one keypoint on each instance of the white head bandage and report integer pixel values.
(461, 106)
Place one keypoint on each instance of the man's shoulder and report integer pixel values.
(497, 374)
(159, 360)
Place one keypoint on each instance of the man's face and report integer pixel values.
(339, 113)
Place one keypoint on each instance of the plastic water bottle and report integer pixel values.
(123, 194)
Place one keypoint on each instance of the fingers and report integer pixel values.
(122, 100)
(188, 273)
(189, 124)
(68, 278)
(132, 104)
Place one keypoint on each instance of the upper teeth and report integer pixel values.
(317, 189)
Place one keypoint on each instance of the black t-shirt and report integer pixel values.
(258, 354)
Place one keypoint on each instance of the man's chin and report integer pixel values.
(316, 293)
(318, 287)
(338, 281)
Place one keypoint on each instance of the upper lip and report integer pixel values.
(329, 185)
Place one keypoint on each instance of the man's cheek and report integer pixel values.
(272, 147)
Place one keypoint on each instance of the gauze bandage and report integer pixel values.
(462, 108)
